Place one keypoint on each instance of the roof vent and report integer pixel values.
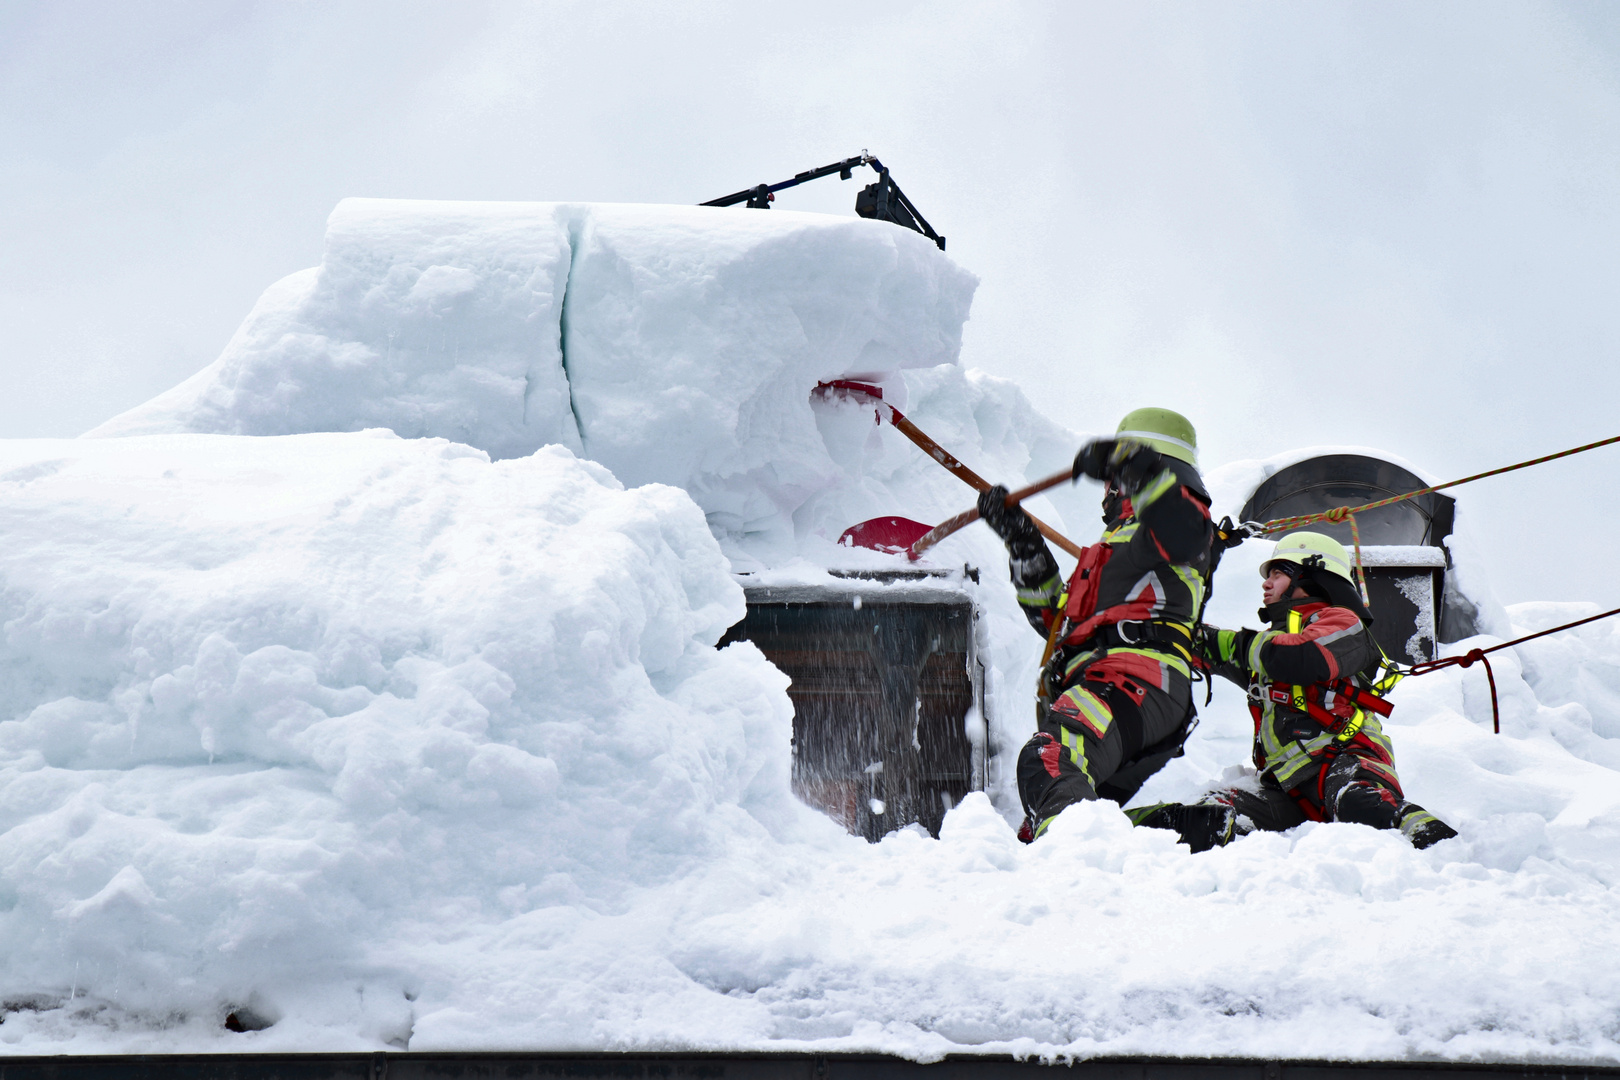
(1402, 545)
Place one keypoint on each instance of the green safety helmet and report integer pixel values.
(1167, 432)
(1311, 550)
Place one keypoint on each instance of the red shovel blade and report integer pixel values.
(890, 534)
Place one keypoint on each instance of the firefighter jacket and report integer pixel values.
(1128, 610)
(1313, 692)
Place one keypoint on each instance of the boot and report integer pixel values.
(1201, 826)
(1422, 828)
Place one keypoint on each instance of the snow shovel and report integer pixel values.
(897, 534)
(968, 517)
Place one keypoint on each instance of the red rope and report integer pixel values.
(1468, 659)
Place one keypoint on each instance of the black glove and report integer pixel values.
(1092, 460)
(1125, 462)
(1133, 464)
(1015, 527)
(1229, 535)
(1224, 537)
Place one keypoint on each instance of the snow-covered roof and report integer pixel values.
(403, 743)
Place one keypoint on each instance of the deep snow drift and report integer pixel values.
(279, 705)
(395, 745)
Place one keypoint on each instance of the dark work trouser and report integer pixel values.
(1065, 762)
(1348, 793)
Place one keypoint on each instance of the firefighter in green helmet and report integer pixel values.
(1117, 692)
(1317, 699)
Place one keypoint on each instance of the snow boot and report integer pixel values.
(1422, 828)
(1201, 826)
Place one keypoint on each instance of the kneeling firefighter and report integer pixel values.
(1317, 697)
(1116, 693)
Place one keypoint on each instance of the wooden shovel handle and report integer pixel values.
(968, 517)
(971, 478)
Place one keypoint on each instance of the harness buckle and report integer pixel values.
(1119, 628)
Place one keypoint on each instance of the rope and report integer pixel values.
(1340, 513)
(1361, 575)
(1481, 655)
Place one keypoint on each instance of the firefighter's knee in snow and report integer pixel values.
(1052, 753)
(1366, 803)
(1051, 776)
(1352, 793)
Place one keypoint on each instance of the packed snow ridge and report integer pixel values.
(365, 685)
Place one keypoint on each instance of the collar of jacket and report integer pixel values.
(1277, 614)
(1117, 511)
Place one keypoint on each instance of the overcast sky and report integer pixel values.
(1389, 224)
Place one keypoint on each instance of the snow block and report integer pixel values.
(673, 344)
(693, 345)
(432, 322)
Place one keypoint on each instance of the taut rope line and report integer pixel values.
(1341, 513)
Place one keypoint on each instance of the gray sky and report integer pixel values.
(1379, 223)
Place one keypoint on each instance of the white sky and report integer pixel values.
(1378, 223)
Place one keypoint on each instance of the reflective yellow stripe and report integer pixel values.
(1122, 532)
(1195, 585)
(1292, 762)
(1260, 639)
(1413, 821)
(1041, 596)
(1093, 712)
(1167, 659)
(1078, 661)
(1295, 624)
(1170, 660)
(1153, 490)
(1075, 745)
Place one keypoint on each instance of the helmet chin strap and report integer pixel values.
(1115, 504)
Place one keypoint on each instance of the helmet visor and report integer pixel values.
(1286, 566)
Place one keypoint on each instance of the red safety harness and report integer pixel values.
(1081, 610)
(1334, 705)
